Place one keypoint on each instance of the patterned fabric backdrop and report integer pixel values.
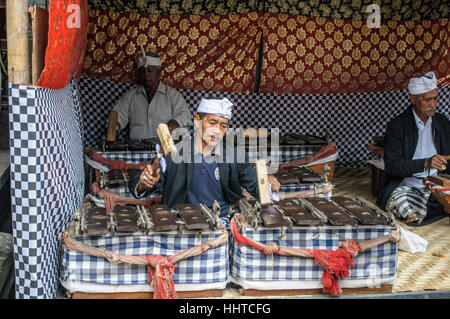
(218, 7)
(301, 54)
(391, 10)
(66, 47)
(319, 55)
(197, 52)
(338, 9)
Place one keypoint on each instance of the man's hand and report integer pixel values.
(435, 162)
(147, 180)
(118, 128)
(172, 125)
(275, 183)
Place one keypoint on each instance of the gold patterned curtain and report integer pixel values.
(320, 55)
(356, 10)
(215, 53)
(391, 10)
(196, 7)
(301, 54)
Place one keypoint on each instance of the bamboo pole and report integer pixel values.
(17, 37)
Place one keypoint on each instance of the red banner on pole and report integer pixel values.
(64, 59)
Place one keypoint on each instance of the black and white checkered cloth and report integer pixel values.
(47, 181)
(210, 267)
(352, 119)
(406, 200)
(129, 157)
(250, 264)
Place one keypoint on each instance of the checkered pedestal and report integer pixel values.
(251, 269)
(46, 181)
(83, 273)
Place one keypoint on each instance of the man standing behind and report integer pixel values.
(416, 142)
(151, 102)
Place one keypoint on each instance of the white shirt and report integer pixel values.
(425, 148)
(144, 118)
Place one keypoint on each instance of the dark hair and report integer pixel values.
(139, 73)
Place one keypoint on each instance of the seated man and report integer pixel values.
(151, 102)
(416, 142)
(204, 175)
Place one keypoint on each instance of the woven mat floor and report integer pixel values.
(416, 272)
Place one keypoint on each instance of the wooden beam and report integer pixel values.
(17, 38)
(112, 126)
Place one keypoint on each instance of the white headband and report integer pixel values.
(221, 108)
(145, 61)
(422, 84)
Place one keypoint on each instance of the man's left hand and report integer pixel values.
(172, 125)
(275, 183)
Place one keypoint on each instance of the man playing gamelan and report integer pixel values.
(416, 143)
(207, 173)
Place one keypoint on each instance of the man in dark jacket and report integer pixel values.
(416, 144)
(204, 172)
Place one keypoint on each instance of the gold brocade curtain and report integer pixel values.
(391, 10)
(216, 53)
(320, 55)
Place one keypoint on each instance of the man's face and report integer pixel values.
(425, 104)
(213, 129)
(151, 78)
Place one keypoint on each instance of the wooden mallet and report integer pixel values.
(112, 127)
(263, 182)
(167, 145)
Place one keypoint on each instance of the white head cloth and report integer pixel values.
(422, 84)
(217, 107)
(145, 60)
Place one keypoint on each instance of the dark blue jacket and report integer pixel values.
(400, 145)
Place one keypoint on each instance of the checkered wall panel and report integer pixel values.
(47, 181)
(97, 100)
(352, 119)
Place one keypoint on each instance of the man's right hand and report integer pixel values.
(118, 128)
(147, 180)
(435, 162)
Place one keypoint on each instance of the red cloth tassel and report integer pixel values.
(336, 264)
(160, 271)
